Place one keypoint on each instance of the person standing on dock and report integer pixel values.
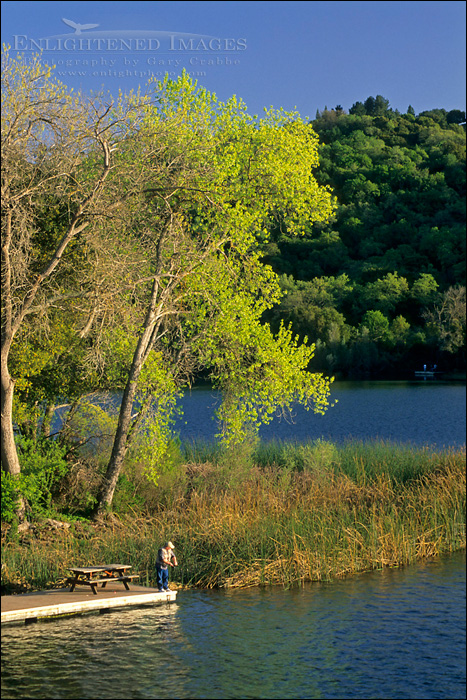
(165, 558)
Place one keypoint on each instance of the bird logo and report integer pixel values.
(78, 27)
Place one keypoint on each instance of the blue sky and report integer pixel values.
(304, 55)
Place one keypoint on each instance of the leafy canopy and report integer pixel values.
(230, 179)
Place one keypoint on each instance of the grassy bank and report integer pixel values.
(279, 514)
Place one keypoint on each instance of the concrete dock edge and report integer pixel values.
(32, 607)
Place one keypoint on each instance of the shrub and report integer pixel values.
(10, 495)
(43, 464)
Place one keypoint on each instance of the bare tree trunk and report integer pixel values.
(49, 412)
(120, 445)
(158, 309)
(121, 441)
(10, 461)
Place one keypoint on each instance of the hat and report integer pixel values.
(170, 545)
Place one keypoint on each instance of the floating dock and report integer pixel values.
(31, 607)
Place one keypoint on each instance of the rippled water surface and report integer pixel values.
(416, 412)
(419, 412)
(397, 633)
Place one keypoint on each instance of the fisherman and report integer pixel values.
(165, 558)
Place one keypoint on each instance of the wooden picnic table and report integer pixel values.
(93, 575)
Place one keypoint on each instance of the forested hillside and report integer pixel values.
(381, 288)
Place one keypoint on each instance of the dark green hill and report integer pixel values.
(382, 286)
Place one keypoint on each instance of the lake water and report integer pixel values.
(430, 412)
(396, 633)
(418, 412)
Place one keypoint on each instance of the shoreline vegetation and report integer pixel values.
(278, 513)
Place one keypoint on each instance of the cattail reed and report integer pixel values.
(281, 514)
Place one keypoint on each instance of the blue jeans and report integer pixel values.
(162, 577)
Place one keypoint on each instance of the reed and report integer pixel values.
(281, 514)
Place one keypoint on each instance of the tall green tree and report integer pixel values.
(164, 202)
(205, 224)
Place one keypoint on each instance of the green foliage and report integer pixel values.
(377, 325)
(49, 368)
(276, 375)
(90, 427)
(260, 175)
(127, 496)
(424, 290)
(398, 236)
(43, 465)
(10, 497)
(387, 293)
(155, 448)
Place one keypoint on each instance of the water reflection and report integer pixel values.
(388, 634)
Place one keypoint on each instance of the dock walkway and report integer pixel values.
(30, 607)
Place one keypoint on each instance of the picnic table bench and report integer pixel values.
(93, 575)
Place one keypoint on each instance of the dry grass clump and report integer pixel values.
(325, 513)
